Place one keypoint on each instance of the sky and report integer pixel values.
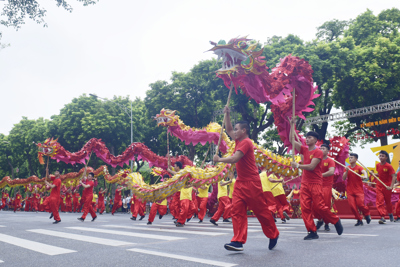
(120, 47)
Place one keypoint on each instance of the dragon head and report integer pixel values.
(167, 117)
(240, 56)
(48, 148)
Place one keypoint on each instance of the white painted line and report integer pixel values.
(97, 230)
(295, 232)
(1, 261)
(2, 226)
(200, 227)
(185, 258)
(90, 239)
(35, 246)
(166, 230)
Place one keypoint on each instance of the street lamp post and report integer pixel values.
(127, 112)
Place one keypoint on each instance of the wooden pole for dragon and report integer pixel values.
(293, 116)
(169, 157)
(284, 181)
(349, 169)
(376, 177)
(223, 122)
(204, 160)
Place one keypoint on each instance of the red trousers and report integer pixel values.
(139, 208)
(52, 205)
(187, 210)
(327, 195)
(88, 207)
(17, 205)
(269, 198)
(162, 210)
(27, 206)
(224, 207)
(35, 205)
(383, 196)
(69, 205)
(311, 197)
(356, 201)
(194, 199)
(202, 206)
(116, 206)
(76, 204)
(174, 206)
(398, 209)
(101, 206)
(282, 205)
(250, 194)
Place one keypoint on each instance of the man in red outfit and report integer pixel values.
(88, 192)
(202, 199)
(248, 190)
(160, 206)
(68, 201)
(328, 171)
(17, 202)
(311, 196)
(355, 190)
(76, 201)
(100, 200)
(117, 199)
(52, 202)
(387, 175)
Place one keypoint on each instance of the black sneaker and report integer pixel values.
(339, 227)
(175, 222)
(141, 217)
(391, 217)
(397, 220)
(234, 246)
(213, 222)
(93, 219)
(133, 218)
(283, 220)
(178, 225)
(359, 223)
(51, 215)
(200, 221)
(368, 218)
(81, 219)
(286, 215)
(173, 218)
(382, 221)
(272, 243)
(319, 224)
(227, 221)
(188, 220)
(311, 235)
(160, 217)
(149, 223)
(57, 222)
(327, 227)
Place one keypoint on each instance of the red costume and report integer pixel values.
(117, 201)
(76, 201)
(68, 202)
(52, 202)
(398, 203)
(87, 205)
(202, 200)
(101, 205)
(355, 193)
(17, 202)
(160, 206)
(174, 206)
(384, 196)
(311, 192)
(248, 193)
(327, 183)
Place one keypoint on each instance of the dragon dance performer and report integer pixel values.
(248, 190)
(68, 201)
(160, 206)
(231, 185)
(100, 200)
(27, 202)
(75, 200)
(282, 206)
(52, 202)
(139, 208)
(202, 199)
(387, 175)
(266, 187)
(328, 171)
(174, 206)
(224, 206)
(4, 198)
(117, 199)
(88, 192)
(17, 201)
(398, 203)
(355, 190)
(311, 196)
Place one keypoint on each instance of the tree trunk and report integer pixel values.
(384, 140)
(192, 152)
(12, 169)
(28, 157)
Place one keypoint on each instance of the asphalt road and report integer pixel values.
(30, 239)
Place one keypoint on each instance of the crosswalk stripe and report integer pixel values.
(35, 246)
(166, 230)
(90, 239)
(161, 237)
(1, 261)
(2, 226)
(298, 232)
(202, 227)
(179, 257)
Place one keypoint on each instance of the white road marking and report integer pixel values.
(177, 230)
(97, 230)
(185, 258)
(2, 226)
(1, 261)
(296, 232)
(90, 239)
(35, 246)
(201, 227)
